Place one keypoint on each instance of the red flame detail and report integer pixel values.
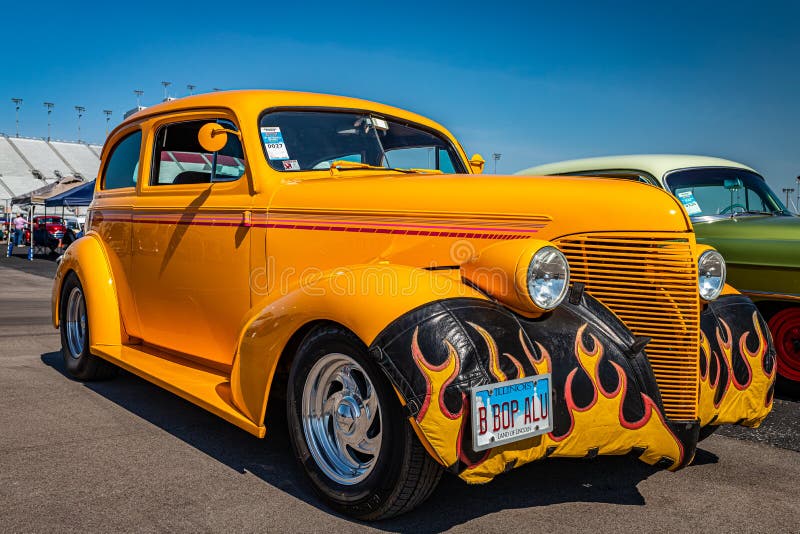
(421, 361)
(520, 370)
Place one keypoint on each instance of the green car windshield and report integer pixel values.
(314, 140)
(725, 192)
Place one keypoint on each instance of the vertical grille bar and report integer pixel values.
(650, 282)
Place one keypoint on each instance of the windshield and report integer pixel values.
(723, 191)
(313, 140)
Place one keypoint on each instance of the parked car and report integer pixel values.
(733, 209)
(72, 223)
(341, 259)
(49, 231)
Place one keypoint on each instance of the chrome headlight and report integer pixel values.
(548, 278)
(710, 274)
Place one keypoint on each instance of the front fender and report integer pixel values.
(362, 298)
(605, 396)
(87, 258)
(737, 363)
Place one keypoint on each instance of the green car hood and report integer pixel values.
(762, 252)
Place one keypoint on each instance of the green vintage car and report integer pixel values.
(732, 209)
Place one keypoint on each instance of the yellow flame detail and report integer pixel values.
(440, 427)
(746, 403)
(600, 426)
(494, 354)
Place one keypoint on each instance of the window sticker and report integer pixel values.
(291, 165)
(273, 140)
(688, 201)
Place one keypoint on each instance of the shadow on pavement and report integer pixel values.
(605, 479)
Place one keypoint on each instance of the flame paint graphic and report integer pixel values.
(606, 411)
(731, 401)
(438, 423)
(543, 360)
(600, 426)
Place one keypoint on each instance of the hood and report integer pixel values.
(565, 205)
(445, 220)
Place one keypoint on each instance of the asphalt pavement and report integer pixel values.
(125, 456)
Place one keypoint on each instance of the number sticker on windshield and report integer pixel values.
(688, 201)
(273, 140)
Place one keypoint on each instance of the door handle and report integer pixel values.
(247, 219)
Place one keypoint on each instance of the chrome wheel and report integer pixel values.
(75, 322)
(341, 419)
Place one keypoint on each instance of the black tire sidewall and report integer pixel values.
(369, 494)
(77, 367)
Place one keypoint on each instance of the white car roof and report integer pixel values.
(656, 165)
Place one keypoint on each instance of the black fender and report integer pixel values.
(737, 363)
(436, 353)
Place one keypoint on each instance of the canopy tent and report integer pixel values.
(43, 195)
(77, 196)
(38, 196)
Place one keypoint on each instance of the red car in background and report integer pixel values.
(48, 230)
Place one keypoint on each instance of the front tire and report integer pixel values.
(74, 322)
(349, 433)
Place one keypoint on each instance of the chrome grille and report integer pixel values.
(650, 282)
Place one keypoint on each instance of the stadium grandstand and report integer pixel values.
(27, 164)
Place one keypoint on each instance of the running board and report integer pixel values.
(208, 388)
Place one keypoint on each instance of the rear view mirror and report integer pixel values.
(733, 184)
(476, 163)
(213, 137)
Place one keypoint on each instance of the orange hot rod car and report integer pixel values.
(344, 258)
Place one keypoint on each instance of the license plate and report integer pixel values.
(511, 411)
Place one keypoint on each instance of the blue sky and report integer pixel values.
(537, 82)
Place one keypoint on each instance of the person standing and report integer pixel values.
(19, 230)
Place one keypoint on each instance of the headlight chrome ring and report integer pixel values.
(548, 278)
(711, 273)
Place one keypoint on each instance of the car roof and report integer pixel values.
(263, 98)
(656, 165)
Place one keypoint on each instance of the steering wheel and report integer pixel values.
(731, 207)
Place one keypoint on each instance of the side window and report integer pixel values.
(123, 163)
(181, 160)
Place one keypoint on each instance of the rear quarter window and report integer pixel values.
(122, 164)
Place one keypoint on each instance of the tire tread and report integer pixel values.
(419, 474)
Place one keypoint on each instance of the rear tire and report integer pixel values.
(74, 322)
(348, 430)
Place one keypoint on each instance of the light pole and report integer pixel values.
(49, 106)
(166, 91)
(191, 88)
(18, 101)
(107, 113)
(788, 191)
(496, 157)
(80, 110)
(138, 93)
(797, 206)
